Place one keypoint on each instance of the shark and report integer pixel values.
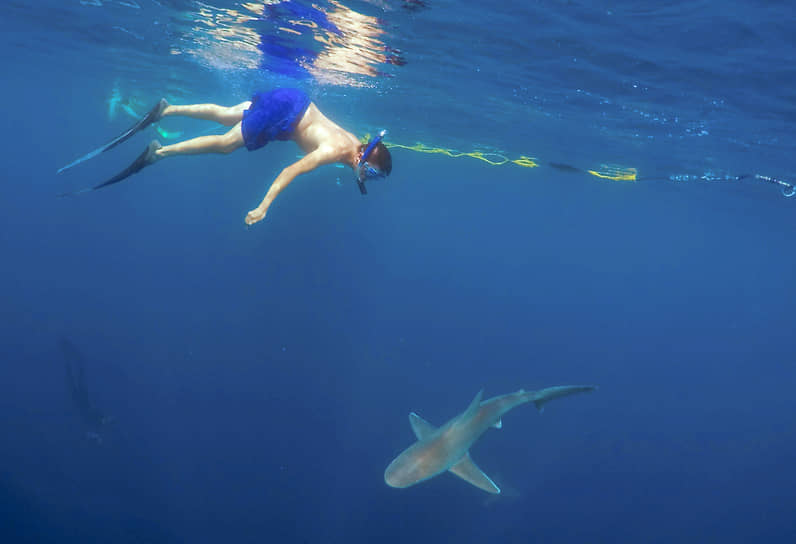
(446, 448)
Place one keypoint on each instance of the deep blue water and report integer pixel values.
(260, 379)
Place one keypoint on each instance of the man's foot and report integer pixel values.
(155, 114)
(146, 158)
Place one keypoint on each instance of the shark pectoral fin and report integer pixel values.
(420, 426)
(543, 396)
(498, 424)
(469, 472)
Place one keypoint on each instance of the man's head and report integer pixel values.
(374, 161)
(380, 158)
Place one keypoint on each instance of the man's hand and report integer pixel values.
(257, 214)
(308, 163)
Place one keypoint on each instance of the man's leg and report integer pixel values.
(227, 116)
(223, 143)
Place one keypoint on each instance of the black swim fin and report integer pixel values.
(153, 116)
(144, 159)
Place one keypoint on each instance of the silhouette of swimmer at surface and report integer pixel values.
(92, 417)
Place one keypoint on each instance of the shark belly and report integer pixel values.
(423, 460)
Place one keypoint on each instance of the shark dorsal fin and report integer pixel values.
(470, 473)
(474, 405)
(420, 426)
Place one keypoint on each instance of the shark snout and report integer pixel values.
(392, 476)
(401, 473)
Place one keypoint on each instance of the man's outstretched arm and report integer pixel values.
(308, 163)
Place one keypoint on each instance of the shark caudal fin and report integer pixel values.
(543, 396)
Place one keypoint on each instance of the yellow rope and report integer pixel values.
(489, 157)
(612, 172)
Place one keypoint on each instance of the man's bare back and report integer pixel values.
(324, 142)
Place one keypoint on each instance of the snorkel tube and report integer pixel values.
(364, 170)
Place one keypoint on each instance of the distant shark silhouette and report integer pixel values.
(446, 448)
(93, 418)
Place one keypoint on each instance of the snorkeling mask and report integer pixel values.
(364, 170)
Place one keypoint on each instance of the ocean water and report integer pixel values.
(255, 382)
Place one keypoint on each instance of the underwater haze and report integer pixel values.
(582, 193)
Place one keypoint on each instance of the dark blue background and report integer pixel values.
(261, 378)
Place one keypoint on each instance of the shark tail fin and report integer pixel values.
(543, 396)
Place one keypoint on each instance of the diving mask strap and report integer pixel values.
(371, 146)
(365, 154)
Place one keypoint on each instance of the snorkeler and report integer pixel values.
(92, 417)
(280, 114)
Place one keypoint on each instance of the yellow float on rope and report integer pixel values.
(615, 173)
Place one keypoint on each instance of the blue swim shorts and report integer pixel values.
(272, 116)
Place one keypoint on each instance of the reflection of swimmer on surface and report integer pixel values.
(279, 114)
(343, 42)
(92, 417)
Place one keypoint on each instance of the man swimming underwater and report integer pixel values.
(280, 114)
